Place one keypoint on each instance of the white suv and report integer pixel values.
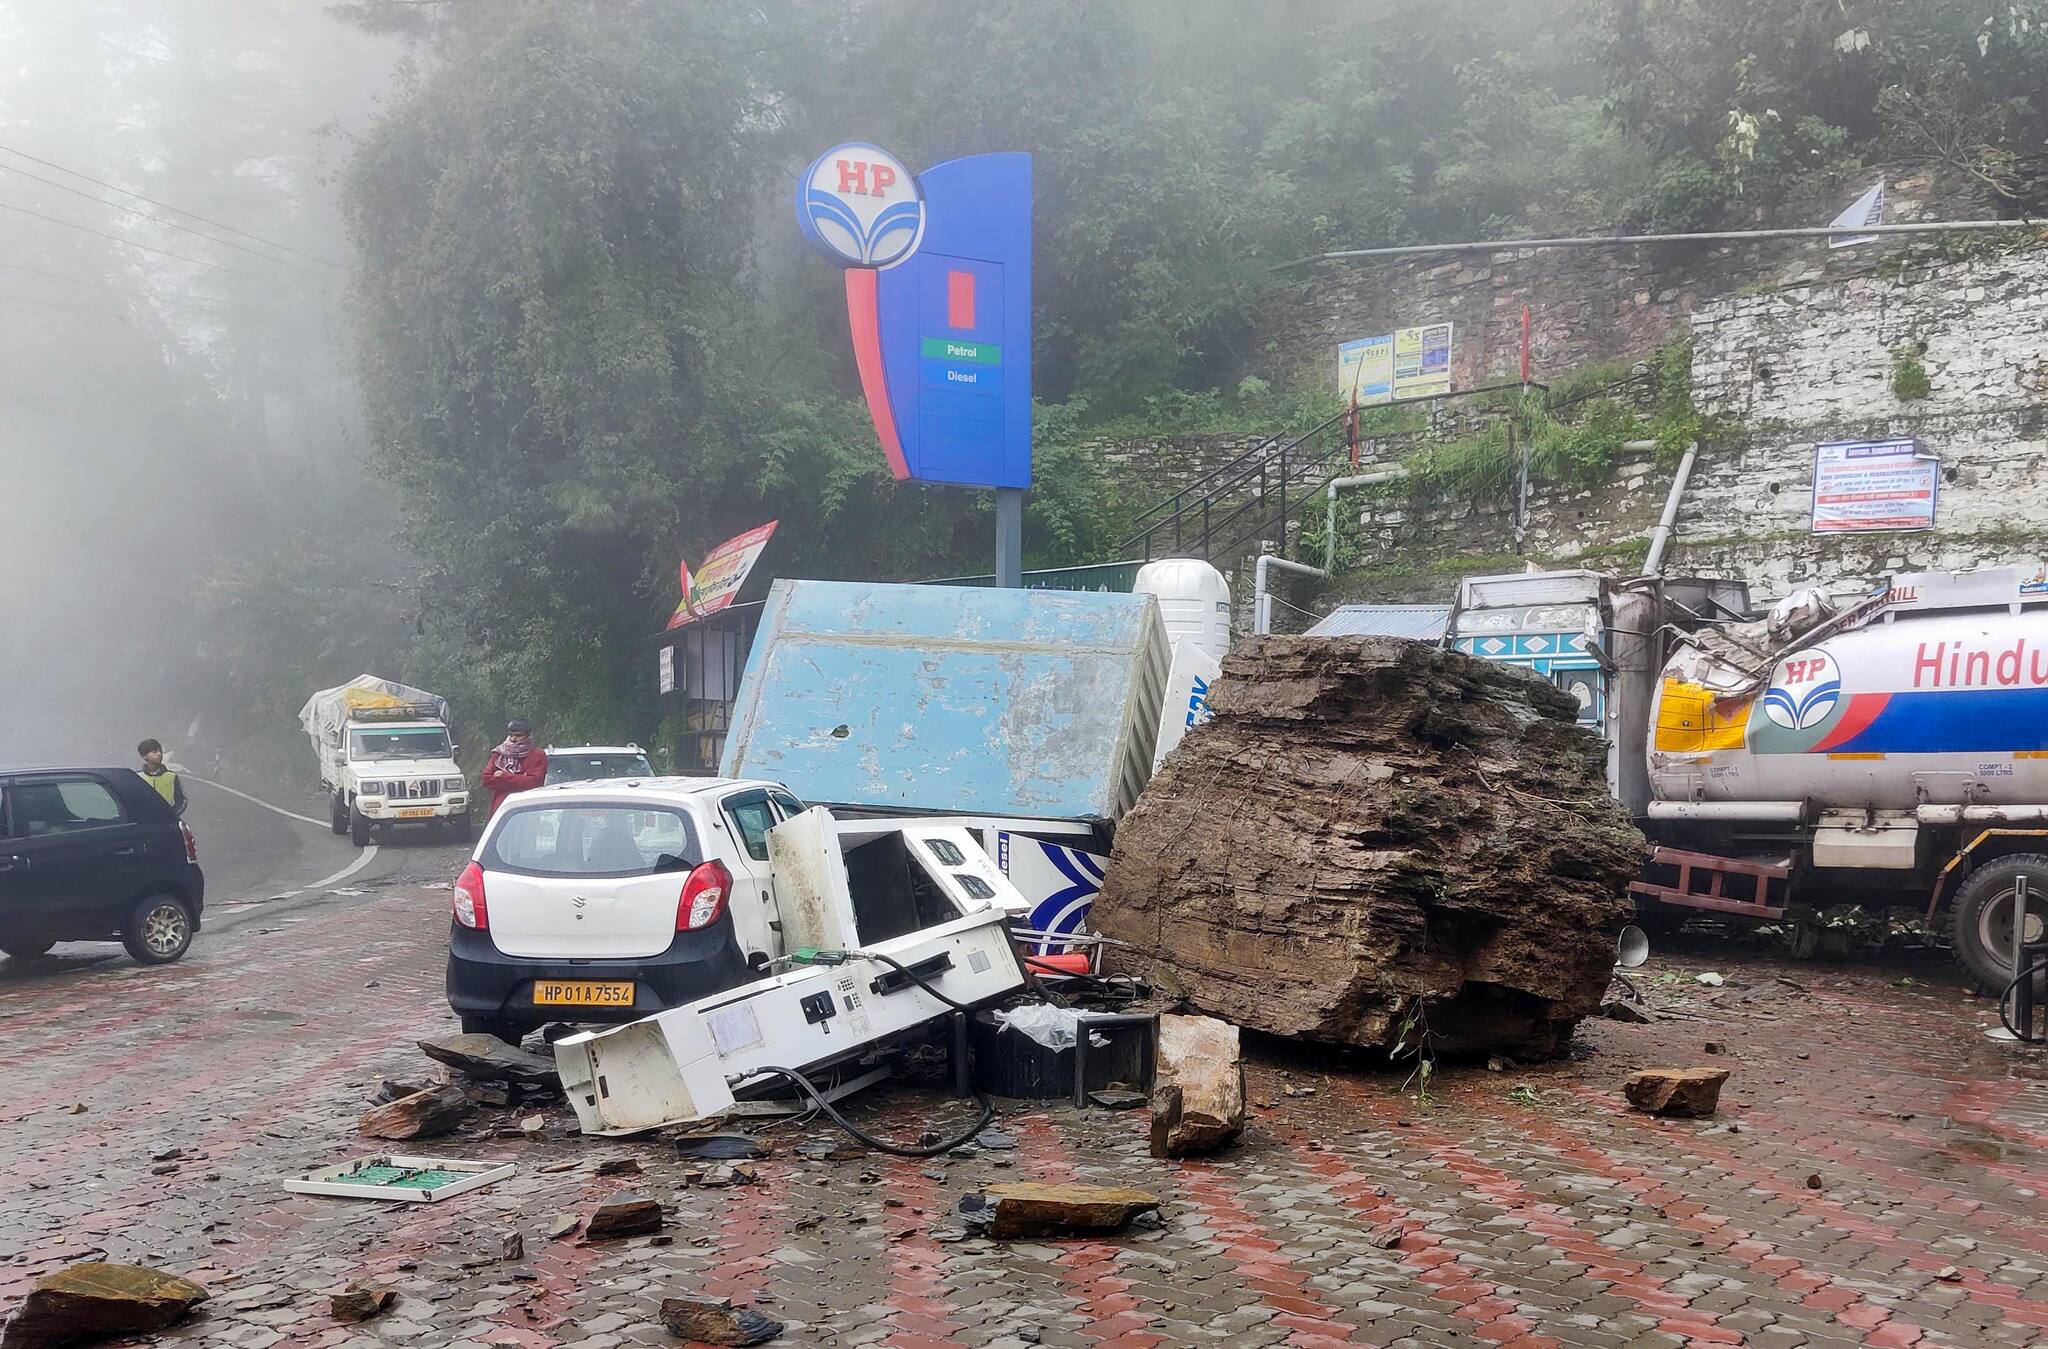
(609, 901)
(596, 763)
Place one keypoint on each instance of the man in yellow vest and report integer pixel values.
(163, 779)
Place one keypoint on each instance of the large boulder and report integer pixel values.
(1378, 843)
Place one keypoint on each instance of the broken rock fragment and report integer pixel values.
(1368, 826)
(486, 1058)
(623, 1215)
(98, 1298)
(1198, 1093)
(719, 1147)
(1031, 1209)
(420, 1115)
(714, 1320)
(1688, 1093)
(360, 1301)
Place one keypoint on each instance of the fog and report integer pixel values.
(180, 445)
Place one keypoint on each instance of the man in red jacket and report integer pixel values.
(514, 765)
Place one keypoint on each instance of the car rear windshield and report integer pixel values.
(591, 840)
(596, 767)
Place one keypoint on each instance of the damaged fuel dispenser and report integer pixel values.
(889, 927)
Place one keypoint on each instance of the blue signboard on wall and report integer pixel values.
(938, 296)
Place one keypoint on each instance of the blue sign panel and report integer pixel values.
(938, 295)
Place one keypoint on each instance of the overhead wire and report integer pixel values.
(147, 248)
(164, 205)
(68, 308)
(161, 220)
(208, 301)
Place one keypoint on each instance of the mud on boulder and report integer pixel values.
(1373, 838)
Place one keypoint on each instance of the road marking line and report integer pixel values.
(351, 869)
(288, 814)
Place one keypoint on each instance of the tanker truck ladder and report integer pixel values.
(1736, 873)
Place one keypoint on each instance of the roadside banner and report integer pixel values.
(1869, 485)
(1365, 370)
(1406, 363)
(1422, 361)
(717, 581)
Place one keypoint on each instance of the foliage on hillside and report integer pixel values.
(590, 342)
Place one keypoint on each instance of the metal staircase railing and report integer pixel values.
(1251, 495)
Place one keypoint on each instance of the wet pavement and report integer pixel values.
(1874, 1176)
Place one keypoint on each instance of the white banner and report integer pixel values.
(1867, 209)
(1872, 485)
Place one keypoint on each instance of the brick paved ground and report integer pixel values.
(1529, 1208)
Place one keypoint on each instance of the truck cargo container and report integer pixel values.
(1033, 713)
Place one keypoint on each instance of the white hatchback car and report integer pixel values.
(604, 902)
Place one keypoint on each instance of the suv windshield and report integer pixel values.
(400, 742)
(568, 765)
(591, 840)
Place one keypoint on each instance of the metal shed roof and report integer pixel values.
(1422, 622)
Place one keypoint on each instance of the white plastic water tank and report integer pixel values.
(1194, 599)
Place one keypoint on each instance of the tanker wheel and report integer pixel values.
(1981, 920)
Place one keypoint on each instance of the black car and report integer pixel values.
(95, 854)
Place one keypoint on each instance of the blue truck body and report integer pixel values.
(1036, 704)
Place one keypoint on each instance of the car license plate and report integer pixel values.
(582, 993)
(417, 813)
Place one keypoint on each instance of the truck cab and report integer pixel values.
(388, 766)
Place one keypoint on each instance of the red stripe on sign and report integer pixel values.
(864, 317)
(959, 299)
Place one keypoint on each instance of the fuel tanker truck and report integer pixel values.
(1892, 749)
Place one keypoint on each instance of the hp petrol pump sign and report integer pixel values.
(860, 206)
(937, 270)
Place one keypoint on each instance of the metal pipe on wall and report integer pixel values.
(1706, 236)
(1330, 517)
(1653, 565)
(1262, 598)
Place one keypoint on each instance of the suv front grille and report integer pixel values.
(419, 790)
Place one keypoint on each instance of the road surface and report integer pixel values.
(1873, 1177)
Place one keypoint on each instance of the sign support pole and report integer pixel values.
(1010, 537)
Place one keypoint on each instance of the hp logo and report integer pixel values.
(860, 206)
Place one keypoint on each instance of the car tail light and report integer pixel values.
(704, 897)
(469, 899)
(191, 843)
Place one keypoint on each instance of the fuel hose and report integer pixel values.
(804, 1085)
